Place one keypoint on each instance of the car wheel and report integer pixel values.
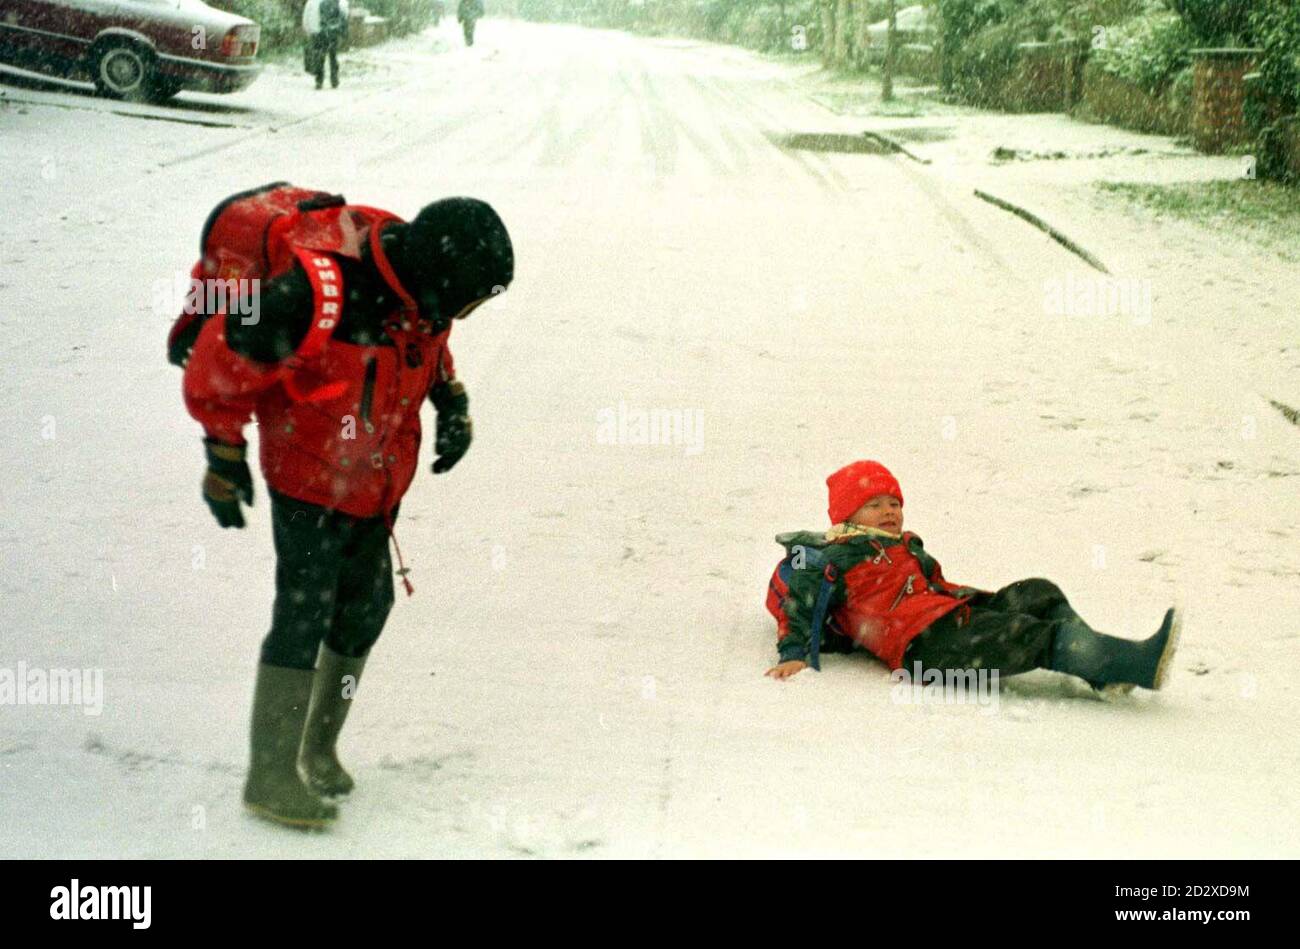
(124, 70)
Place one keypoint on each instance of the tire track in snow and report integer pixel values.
(820, 161)
(541, 109)
(736, 105)
(658, 139)
(560, 149)
(921, 180)
(673, 117)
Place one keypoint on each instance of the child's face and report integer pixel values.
(883, 512)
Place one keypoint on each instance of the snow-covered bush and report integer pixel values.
(280, 22)
(979, 37)
(979, 69)
(1217, 22)
(758, 24)
(404, 16)
(1276, 29)
(1147, 50)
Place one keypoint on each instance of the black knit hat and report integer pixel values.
(456, 251)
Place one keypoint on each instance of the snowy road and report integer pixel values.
(580, 671)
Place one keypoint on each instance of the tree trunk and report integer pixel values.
(887, 74)
(828, 32)
(842, 27)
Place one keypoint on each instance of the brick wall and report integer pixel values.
(1219, 92)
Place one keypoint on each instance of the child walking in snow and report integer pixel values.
(880, 590)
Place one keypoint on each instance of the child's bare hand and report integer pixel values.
(783, 670)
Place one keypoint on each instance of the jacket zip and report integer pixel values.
(905, 589)
(367, 394)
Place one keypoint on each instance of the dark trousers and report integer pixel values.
(333, 583)
(1010, 630)
(326, 45)
(468, 27)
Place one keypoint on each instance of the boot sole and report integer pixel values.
(333, 795)
(1171, 646)
(300, 823)
(1114, 690)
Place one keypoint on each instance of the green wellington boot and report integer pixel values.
(1109, 663)
(274, 790)
(331, 697)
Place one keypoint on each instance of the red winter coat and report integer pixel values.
(340, 429)
(886, 593)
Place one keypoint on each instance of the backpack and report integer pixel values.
(824, 634)
(258, 234)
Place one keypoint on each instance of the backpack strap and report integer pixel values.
(816, 558)
(385, 268)
(820, 608)
(327, 300)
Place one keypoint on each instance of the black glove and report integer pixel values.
(455, 430)
(227, 482)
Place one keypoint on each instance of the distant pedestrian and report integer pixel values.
(326, 24)
(468, 13)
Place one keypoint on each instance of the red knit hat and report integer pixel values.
(856, 484)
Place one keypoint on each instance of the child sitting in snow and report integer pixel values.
(887, 595)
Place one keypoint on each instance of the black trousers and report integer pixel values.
(1010, 630)
(326, 45)
(333, 583)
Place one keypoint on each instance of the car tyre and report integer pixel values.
(125, 70)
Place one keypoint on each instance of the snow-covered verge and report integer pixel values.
(580, 671)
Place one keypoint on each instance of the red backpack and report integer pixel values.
(259, 234)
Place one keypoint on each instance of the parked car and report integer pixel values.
(132, 49)
(912, 24)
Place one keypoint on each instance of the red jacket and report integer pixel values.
(340, 429)
(886, 593)
(890, 603)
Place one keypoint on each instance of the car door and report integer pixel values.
(53, 35)
(169, 28)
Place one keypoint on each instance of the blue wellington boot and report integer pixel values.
(1108, 661)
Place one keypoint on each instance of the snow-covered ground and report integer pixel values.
(580, 671)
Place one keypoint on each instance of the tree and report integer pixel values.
(887, 76)
(958, 21)
(1218, 21)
